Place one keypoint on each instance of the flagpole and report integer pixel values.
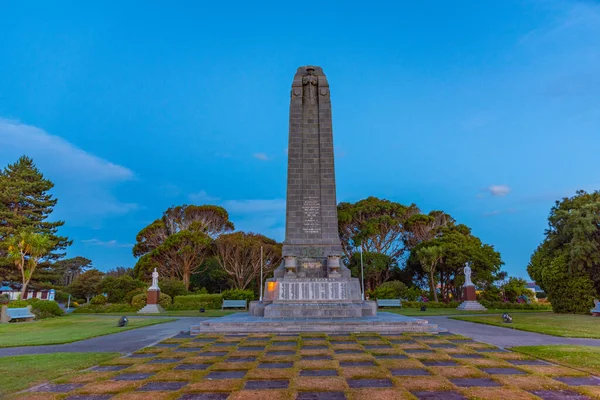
(362, 272)
(261, 273)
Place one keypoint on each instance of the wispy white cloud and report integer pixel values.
(499, 190)
(261, 156)
(202, 197)
(84, 182)
(109, 243)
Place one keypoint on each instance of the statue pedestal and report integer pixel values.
(469, 297)
(152, 306)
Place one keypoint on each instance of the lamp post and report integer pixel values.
(362, 273)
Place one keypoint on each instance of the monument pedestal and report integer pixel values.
(470, 302)
(152, 306)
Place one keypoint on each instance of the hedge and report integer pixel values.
(197, 301)
(41, 308)
(429, 304)
(139, 301)
(515, 306)
(238, 294)
(105, 308)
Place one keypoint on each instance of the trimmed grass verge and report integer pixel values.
(584, 358)
(66, 329)
(20, 372)
(179, 313)
(564, 325)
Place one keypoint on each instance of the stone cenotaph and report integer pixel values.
(152, 306)
(469, 295)
(312, 280)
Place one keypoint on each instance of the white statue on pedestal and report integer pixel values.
(467, 271)
(154, 280)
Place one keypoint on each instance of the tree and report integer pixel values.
(178, 243)
(25, 250)
(378, 268)
(429, 257)
(120, 271)
(88, 284)
(118, 288)
(514, 288)
(377, 225)
(239, 255)
(26, 204)
(566, 265)
(70, 268)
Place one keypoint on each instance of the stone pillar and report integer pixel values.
(469, 297)
(468, 293)
(152, 305)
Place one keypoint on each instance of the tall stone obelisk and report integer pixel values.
(312, 281)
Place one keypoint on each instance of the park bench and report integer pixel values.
(9, 314)
(234, 304)
(388, 303)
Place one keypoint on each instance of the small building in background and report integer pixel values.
(14, 294)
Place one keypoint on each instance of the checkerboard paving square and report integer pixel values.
(440, 363)
(166, 345)
(274, 384)
(343, 342)
(398, 341)
(558, 395)
(529, 362)
(439, 396)
(109, 368)
(467, 355)
(378, 346)
(132, 377)
(345, 351)
(490, 350)
(258, 339)
(442, 346)
(410, 372)
(241, 359)
(290, 344)
(318, 372)
(90, 397)
(204, 396)
(251, 348)
(391, 356)
(58, 388)
(357, 364)
(225, 344)
(281, 353)
(474, 382)
(418, 351)
(165, 360)
(369, 383)
(143, 355)
(204, 340)
(503, 371)
(316, 358)
(578, 380)
(225, 374)
(213, 353)
(186, 349)
(275, 365)
(315, 347)
(321, 396)
(192, 367)
(161, 386)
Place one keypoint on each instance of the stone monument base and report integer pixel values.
(152, 309)
(384, 322)
(471, 305)
(354, 309)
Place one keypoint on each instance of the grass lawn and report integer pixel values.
(180, 313)
(415, 312)
(66, 329)
(20, 372)
(585, 358)
(565, 325)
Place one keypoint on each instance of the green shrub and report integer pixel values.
(491, 294)
(139, 301)
(514, 306)
(197, 301)
(202, 290)
(61, 297)
(98, 300)
(165, 300)
(172, 287)
(118, 288)
(41, 308)
(430, 304)
(238, 294)
(105, 308)
(389, 290)
(129, 296)
(4, 299)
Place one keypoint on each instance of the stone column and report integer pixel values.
(152, 305)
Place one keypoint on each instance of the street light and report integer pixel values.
(261, 273)
(362, 273)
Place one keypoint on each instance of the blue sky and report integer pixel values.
(488, 110)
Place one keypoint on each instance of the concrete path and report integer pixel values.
(123, 342)
(505, 337)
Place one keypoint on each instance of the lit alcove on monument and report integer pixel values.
(312, 290)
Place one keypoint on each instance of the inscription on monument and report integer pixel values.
(311, 208)
(313, 291)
